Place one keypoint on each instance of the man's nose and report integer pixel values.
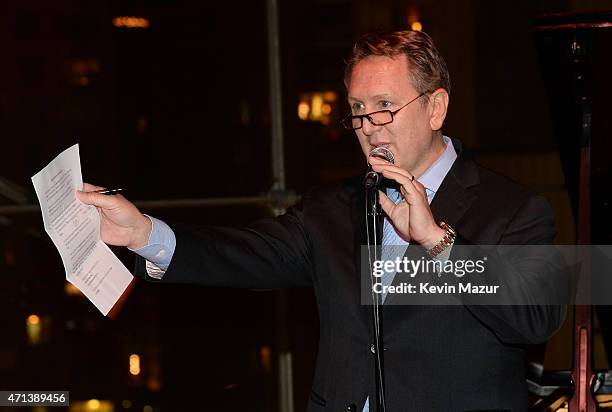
(368, 127)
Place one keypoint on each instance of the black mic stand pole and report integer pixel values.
(374, 225)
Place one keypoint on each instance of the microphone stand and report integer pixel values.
(374, 225)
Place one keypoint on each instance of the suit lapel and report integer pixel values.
(456, 194)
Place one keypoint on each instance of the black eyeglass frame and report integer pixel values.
(347, 121)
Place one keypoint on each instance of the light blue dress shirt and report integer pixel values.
(162, 241)
(160, 248)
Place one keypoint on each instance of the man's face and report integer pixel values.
(383, 83)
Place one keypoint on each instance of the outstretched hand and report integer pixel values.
(121, 223)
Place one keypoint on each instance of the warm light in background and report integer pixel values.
(264, 352)
(93, 404)
(413, 18)
(303, 110)
(329, 96)
(147, 408)
(33, 329)
(416, 26)
(134, 364)
(71, 290)
(316, 106)
(127, 404)
(33, 320)
(131, 22)
(81, 71)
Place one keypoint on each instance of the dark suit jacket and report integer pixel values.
(437, 358)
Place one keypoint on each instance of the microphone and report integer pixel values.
(372, 179)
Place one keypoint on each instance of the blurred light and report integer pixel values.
(147, 408)
(33, 329)
(330, 96)
(153, 384)
(303, 110)
(33, 320)
(82, 67)
(131, 22)
(127, 404)
(413, 18)
(92, 405)
(134, 364)
(264, 352)
(317, 106)
(416, 26)
(83, 71)
(71, 290)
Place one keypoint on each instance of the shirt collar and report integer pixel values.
(432, 178)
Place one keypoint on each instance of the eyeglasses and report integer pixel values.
(379, 118)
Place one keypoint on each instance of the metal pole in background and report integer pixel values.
(278, 198)
(285, 387)
(276, 99)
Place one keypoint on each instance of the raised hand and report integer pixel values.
(411, 217)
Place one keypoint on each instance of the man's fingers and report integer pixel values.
(90, 197)
(420, 187)
(406, 182)
(88, 187)
(390, 167)
(378, 160)
(96, 199)
(386, 203)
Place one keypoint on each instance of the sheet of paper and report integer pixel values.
(74, 228)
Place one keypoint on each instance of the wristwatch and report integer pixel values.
(449, 237)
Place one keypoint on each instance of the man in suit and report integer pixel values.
(441, 358)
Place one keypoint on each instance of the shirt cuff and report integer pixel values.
(445, 254)
(159, 249)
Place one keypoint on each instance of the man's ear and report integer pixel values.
(438, 104)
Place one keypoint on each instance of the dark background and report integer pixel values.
(156, 109)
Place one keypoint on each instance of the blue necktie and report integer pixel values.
(393, 245)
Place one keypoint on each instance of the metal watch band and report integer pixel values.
(446, 241)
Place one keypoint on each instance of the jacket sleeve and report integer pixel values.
(535, 279)
(270, 253)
